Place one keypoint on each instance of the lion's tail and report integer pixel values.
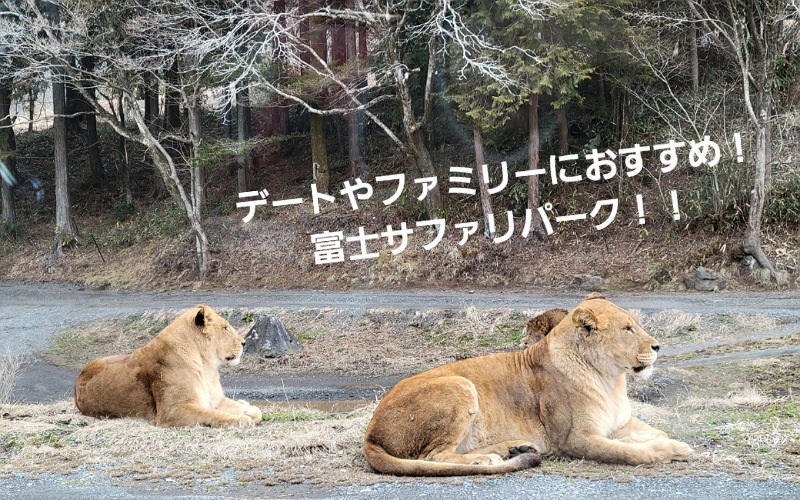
(385, 463)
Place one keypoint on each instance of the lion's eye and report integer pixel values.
(629, 329)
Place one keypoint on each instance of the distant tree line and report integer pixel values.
(388, 64)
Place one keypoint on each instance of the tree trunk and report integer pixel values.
(31, 108)
(486, 201)
(153, 120)
(752, 235)
(357, 166)
(414, 132)
(8, 151)
(601, 91)
(319, 153)
(65, 231)
(695, 64)
(72, 105)
(95, 160)
(244, 133)
(533, 164)
(123, 163)
(425, 168)
(623, 120)
(172, 99)
(196, 170)
(338, 36)
(563, 130)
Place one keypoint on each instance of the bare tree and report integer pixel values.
(8, 151)
(755, 35)
(65, 231)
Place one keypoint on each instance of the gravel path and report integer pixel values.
(88, 486)
(31, 314)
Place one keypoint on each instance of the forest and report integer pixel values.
(550, 107)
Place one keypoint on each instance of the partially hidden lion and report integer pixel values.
(539, 326)
(564, 395)
(173, 380)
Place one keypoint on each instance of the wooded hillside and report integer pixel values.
(368, 124)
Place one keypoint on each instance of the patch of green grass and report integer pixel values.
(47, 439)
(9, 441)
(780, 411)
(512, 329)
(725, 318)
(308, 334)
(294, 416)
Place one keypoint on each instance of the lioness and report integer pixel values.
(564, 395)
(173, 380)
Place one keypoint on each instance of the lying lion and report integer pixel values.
(564, 395)
(173, 380)
(539, 326)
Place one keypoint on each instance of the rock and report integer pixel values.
(704, 280)
(269, 338)
(589, 283)
(748, 262)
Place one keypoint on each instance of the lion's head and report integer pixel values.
(226, 344)
(608, 338)
(539, 326)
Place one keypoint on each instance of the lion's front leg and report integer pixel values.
(179, 406)
(600, 448)
(240, 407)
(636, 431)
(186, 414)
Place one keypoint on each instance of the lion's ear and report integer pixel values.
(200, 319)
(585, 319)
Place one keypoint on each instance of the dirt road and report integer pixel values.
(31, 314)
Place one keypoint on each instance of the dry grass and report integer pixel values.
(10, 366)
(378, 342)
(735, 424)
(315, 446)
(675, 327)
(382, 342)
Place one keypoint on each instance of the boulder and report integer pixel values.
(704, 280)
(270, 339)
(589, 283)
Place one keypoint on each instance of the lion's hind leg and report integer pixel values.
(439, 415)
(432, 426)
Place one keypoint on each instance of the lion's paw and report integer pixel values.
(519, 450)
(242, 422)
(253, 412)
(681, 450)
(669, 449)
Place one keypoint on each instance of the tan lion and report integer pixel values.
(564, 395)
(539, 326)
(173, 380)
